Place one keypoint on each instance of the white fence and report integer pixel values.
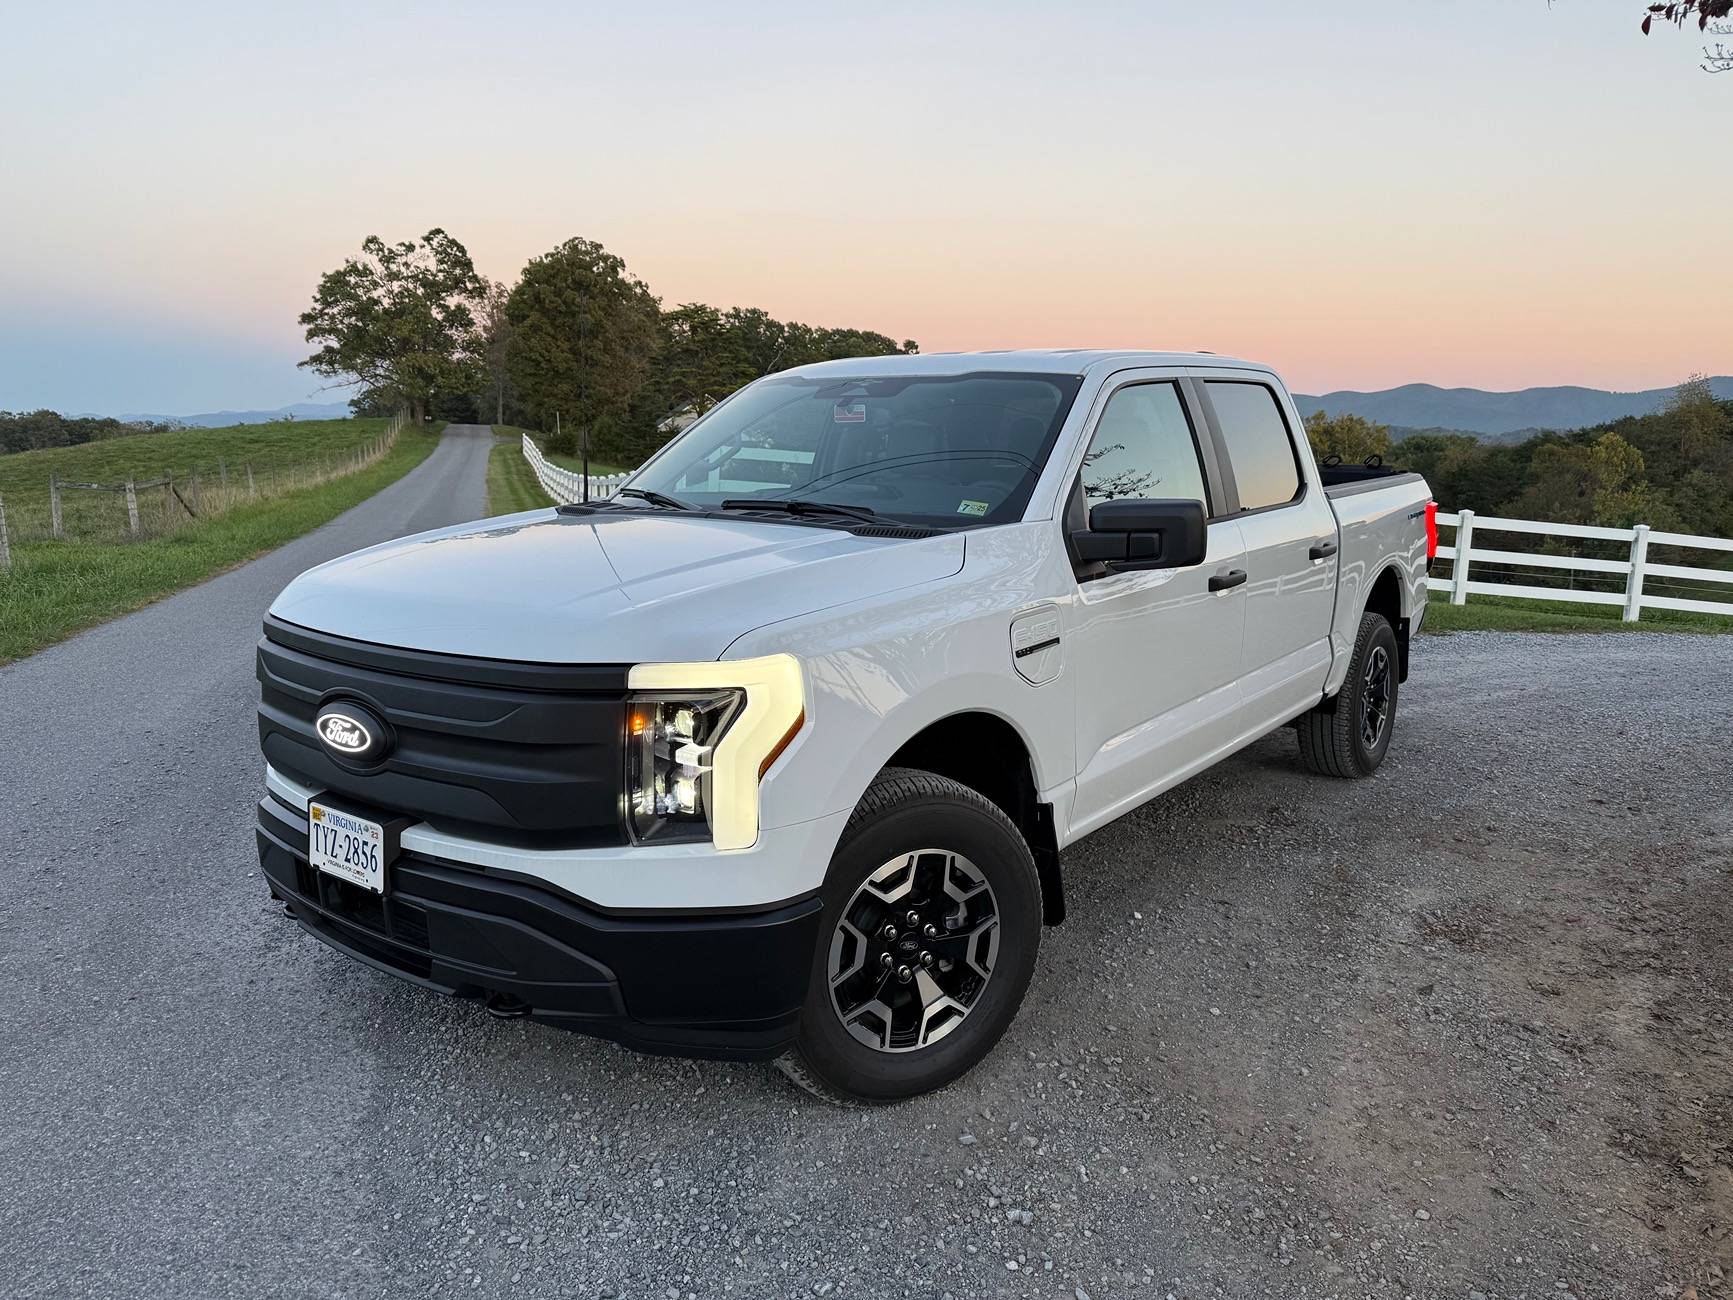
(1635, 568)
(563, 485)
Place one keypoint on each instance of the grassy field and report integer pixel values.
(56, 588)
(597, 467)
(510, 484)
(269, 449)
(1508, 614)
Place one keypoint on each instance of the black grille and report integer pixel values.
(526, 754)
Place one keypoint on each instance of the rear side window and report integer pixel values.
(1143, 448)
(1258, 444)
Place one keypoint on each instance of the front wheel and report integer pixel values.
(933, 919)
(1349, 735)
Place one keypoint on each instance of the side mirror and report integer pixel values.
(1134, 534)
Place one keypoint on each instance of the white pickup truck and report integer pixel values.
(775, 753)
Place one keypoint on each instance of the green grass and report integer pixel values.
(510, 484)
(267, 448)
(597, 467)
(56, 588)
(1512, 614)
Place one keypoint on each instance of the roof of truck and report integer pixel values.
(1049, 361)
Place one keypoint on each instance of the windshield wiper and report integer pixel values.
(654, 498)
(785, 507)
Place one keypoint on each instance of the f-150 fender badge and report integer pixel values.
(1036, 652)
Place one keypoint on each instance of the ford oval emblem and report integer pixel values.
(351, 733)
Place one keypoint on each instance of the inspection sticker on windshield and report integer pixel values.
(972, 507)
(849, 413)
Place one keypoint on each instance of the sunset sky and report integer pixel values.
(1487, 192)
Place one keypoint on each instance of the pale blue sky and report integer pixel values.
(1487, 192)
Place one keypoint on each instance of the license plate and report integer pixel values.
(346, 846)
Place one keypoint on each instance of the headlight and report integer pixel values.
(670, 744)
(699, 737)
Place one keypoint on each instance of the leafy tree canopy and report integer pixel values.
(1710, 16)
(584, 331)
(397, 322)
(1352, 437)
(1672, 469)
(30, 430)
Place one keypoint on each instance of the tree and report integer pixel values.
(707, 354)
(1600, 482)
(1709, 15)
(703, 359)
(1698, 416)
(495, 330)
(584, 332)
(397, 322)
(1352, 437)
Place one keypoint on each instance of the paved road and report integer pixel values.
(1464, 1027)
(187, 1101)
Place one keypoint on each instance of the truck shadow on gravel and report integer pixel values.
(1297, 1036)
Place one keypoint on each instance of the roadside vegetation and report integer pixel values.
(304, 473)
(1510, 614)
(511, 485)
(566, 459)
(200, 461)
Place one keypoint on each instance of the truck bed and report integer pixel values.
(1380, 520)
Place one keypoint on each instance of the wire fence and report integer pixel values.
(141, 508)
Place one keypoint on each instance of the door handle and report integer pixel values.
(1231, 578)
(1322, 550)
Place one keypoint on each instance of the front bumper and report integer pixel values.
(711, 984)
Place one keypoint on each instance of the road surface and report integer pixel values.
(1461, 1028)
(183, 1102)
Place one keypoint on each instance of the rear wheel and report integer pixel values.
(933, 919)
(1349, 735)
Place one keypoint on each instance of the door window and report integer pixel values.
(1143, 449)
(1258, 445)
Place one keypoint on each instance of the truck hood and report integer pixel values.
(602, 588)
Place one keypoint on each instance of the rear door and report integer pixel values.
(1291, 543)
(1156, 653)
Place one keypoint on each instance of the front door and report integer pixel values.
(1156, 653)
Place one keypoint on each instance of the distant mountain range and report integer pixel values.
(221, 419)
(1413, 407)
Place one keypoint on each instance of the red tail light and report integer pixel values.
(1431, 531)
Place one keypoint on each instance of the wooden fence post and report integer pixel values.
(1459, 567)
(131, 507)
(54, 504)
(5, 542)
(1634, 583)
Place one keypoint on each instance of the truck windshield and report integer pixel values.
(947, 452)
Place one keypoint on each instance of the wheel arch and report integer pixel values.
(1384, 597)
(987, 753)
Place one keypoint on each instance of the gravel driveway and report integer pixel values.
(1463, 1028)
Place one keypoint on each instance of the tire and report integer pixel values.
(1349, 735)
(923, 843)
